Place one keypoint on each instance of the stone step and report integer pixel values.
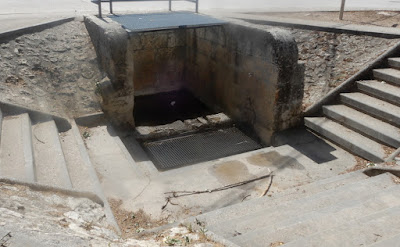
(1, 122)
(268, 215)
(251, 206)
(117, 173)
(373, 106)
(16, 153)
(51, 168)
(318, 186)
(289, 229)
(364, 124)
(381, 90)
(394, 62)
(90, 171)
(392, 241)
(79, 172)
(348, 139)
(389, 75)
(359, 232)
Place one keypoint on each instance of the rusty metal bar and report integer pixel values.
(111, 7)
(170, 5)
(197, 6)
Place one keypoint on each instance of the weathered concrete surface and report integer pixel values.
(33, 217)
(111, 44)
(159, 60)
(249, 73)
(140, 188)
(252, 74)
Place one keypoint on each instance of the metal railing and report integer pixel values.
(98, 2)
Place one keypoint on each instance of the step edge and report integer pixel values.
(362, 151)
(316, 195)
(356, 203)
(379, 93)
(361, 220)
(384, 75)
(63, 163)
(363, 127)
(148, 171)
(286, 198)
(384, 115)
(1, 123)
(92, 171)
(28, 151)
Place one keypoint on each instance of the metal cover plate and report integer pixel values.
(160, 21)
(199, 147)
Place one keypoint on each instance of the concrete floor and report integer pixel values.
(302, 158)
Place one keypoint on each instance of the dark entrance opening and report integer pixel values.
(166, 129)
(165, 108)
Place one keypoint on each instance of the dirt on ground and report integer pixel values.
(374, 18)
(37, 218)
(331, 58)
(133, 223)
(54, 70)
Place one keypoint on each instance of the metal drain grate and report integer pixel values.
(159, 21)
(199, 147)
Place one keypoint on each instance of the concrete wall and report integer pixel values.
(117, 93)
(159, 60)
(251, 74)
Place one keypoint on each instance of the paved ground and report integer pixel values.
(22, 13)
(137, 185)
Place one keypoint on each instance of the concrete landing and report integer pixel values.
(139, 186)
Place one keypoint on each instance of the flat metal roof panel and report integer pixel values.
(162, 21)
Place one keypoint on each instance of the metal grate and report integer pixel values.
(199, 147)
(160, 21)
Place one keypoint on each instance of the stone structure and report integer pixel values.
(251, 74)
(111, 44)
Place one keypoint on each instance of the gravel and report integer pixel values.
(54, 70)
(332, 58)
(35, 218)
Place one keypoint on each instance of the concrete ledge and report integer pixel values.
(36, 116)
(39, 187)
(383, 32)
(5, 36)
(92, 119)
(219, 239)
(364, 74)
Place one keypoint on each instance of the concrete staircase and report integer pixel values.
(366, 122)
(34, 152)
(41, 152)
(338, 211)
